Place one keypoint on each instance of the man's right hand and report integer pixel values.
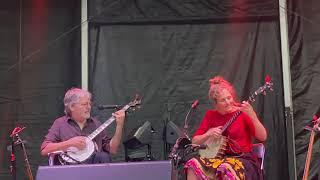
(78, 142)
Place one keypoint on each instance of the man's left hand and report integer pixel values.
(120, 116)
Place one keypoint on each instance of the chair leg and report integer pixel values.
(51, 159)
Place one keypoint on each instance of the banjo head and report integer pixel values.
(79, 155)
(214, 147)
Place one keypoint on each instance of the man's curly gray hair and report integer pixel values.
(72, 96)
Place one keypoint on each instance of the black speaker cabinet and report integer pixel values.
(173, 132)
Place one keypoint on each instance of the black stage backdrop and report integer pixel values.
(32, 87)
(169, 66)
(304, 50)
(168, 58)
(9, 86)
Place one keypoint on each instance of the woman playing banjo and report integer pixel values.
(238, 162)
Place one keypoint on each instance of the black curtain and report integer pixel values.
(304, 21)
(47, 33)
(169, 57)
(106, 11)
(9, 86)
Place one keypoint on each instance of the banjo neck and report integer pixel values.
(230, 121)
(105, 125)
(75, 155)
(261, 90)
(237, 113)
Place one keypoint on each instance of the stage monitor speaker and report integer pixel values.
(173, 132)
(155, 170)
(139, 137)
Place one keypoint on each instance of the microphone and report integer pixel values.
(195, 104)
(112, 106)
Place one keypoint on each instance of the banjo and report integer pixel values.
(216, 146)
(74, 155)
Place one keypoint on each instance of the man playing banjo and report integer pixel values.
(237, 162)
(70, 131)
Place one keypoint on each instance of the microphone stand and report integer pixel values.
(167, 119)
(176, 154)
(186, 119)
(13, 161)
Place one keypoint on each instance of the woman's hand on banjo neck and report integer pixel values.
(260, 131)
(246, 107)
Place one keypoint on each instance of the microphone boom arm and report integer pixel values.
(186, 125)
